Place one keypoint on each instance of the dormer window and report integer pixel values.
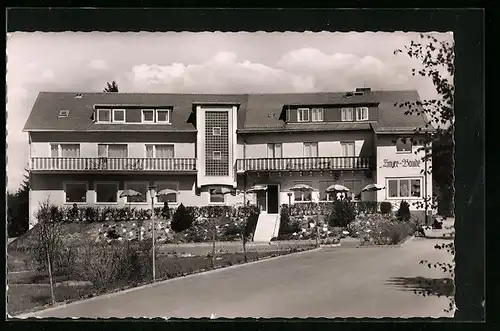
(162, 116)
(361, 113)
(119, 115)
(148, 116)
(63, 113)
(303, 115)
(347, 114)
(104, 115)
(317, 114)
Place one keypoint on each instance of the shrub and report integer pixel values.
(252, 216)
(165, 212)
(343, 213)
(182, 219)
(91, 214)
(286, 224)
(385, 207)
(380, 229)
(367, 207)
(404, 211)
(109, 264)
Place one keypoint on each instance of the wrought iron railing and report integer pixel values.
(305, 163)
(111, 164)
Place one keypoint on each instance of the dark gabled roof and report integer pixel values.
(256, 113)
(44, 115)
(390, 115)
(392, 118)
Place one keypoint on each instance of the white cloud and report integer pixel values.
(222, 73)
(98, 65)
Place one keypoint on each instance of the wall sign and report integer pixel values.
(404, 163)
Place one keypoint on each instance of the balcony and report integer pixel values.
(102, 164)
(305, 164)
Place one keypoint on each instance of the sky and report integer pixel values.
(208, 62)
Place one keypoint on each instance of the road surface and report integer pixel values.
(330, 282)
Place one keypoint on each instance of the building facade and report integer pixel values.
(86, 148)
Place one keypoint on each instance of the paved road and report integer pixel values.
(331, 282)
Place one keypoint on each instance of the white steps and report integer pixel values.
(267, 227)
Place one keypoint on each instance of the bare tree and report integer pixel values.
(49, 240)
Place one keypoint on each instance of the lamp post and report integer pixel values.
(152, 190)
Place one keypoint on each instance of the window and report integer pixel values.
(404, 187)
(160, 151)
(355, 188)
(162, 116)
(323, 185)
(302, 196)
(119, 115)
(104, 115)
(348, 148)
(54, 150)
(112, 150)
(347, 114)
(361, 113)
(216, 198)
(63, 113)
(141, 187)
(75, 192)
(172, 198)
(317, 115)
(403, 145)
(274, 150)
(216, 131)
(65, 150)
(310, 149)
(303, 115)
(217, 155)
(148, 116)
(106, 192)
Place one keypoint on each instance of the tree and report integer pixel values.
(111, 87)
(182, 219)
(437, 60)
(49, 244)
(18, 209)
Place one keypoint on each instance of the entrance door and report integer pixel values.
(272, 199)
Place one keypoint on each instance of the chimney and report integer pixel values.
(363, 89)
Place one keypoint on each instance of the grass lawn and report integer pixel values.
(22, 298)
(29, 291)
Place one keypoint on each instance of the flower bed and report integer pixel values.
(381, 229)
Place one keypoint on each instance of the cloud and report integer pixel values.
(98, 65)
(223, 73)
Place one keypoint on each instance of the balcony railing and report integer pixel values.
(305, 163)
(112, 164)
